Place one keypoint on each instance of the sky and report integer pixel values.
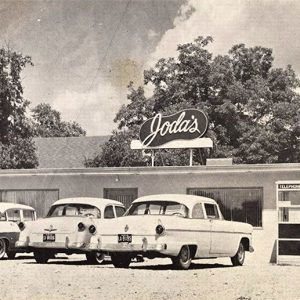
(86, 52)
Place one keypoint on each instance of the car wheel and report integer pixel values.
(2, 248)
(95, 258)
(11, 254)
(120, 260)
(183, 260)
(239, 257)
(41, 257)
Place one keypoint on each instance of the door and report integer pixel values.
(222, 235)
(202, 229)
(123, 195)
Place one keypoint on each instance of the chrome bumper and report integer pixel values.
(52, 245)
(127, 247)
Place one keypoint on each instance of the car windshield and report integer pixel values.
(158, 208)
(74, 210)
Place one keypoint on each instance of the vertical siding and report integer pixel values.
(41, 200)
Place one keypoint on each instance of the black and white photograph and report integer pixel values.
(149, 149)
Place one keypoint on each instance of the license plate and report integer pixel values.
(49, 237)
(124, 238)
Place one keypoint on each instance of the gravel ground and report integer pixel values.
(70, 278)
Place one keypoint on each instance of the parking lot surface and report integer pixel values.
(71, 278)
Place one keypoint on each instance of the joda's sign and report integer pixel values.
(185, 125)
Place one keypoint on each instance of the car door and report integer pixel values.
(13, 217)
(202, 229)
(222, 236)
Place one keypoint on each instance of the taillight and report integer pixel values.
(159, 229)
(21, 226)
(81, 226)
(92, 229)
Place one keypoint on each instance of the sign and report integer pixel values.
(186, 125)
(289, 186)
(177, 144)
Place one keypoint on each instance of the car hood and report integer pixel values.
(57, 224)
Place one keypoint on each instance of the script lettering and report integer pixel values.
(183, 125)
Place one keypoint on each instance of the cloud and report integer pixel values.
(271, 24)
(152, 34)
(94, 110)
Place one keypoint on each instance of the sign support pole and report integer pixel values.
(191, 157)
(152, 157)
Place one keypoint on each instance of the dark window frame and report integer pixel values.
(258, 189)
(121, 192)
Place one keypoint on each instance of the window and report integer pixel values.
(158, 208)
(28, 215)
(13, 215)
(198, 211)
(123, 195)
(211, 211)
(72, 210)
(120, 211)
(2, 216)
(109, 212)
(236, 204)
(289, 214)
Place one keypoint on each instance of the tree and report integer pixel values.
(46, 122)
(16, 146)
(253, 108)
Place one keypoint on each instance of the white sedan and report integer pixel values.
(68, 228)
(11, 214)
(181, 227)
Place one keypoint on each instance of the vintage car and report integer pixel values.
(68, 227)
(11, 214)
(181, 227)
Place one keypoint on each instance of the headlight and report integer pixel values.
(92, 229)
(159, 229)
(21, 226)
(81, 226)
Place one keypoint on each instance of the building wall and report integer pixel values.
(92, 182)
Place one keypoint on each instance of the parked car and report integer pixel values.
(181, 227)
(68, 227)
(11, 214)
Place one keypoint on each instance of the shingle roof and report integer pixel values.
(67, 152)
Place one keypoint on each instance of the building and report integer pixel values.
(245, 192)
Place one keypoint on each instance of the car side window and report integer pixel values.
(13, 215)
(28, 215)
(120, 211)
(109, 212)
(211, 211)
(2, 216)
(197, 212)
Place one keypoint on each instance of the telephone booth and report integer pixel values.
(288, 208)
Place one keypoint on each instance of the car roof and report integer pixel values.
(188, 200)
(8, 205)
(97, 202)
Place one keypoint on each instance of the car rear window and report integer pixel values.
(74, 210)
(158, 208)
